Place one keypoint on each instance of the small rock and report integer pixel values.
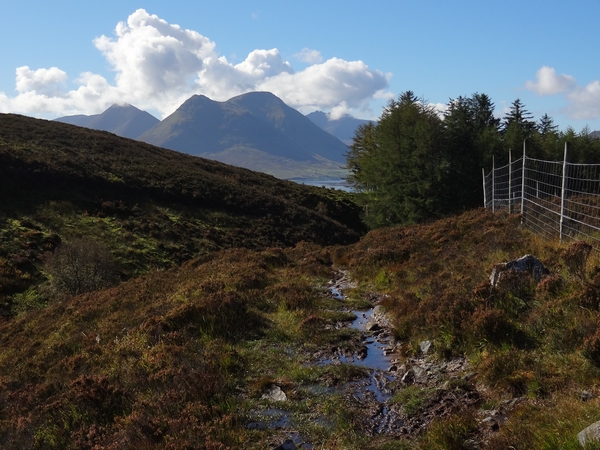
(590, 434)
(372, 326)
(425, 346)
(526, 263)
(408, 377)
(420, 374)
(586, 395)
(275, 393)
(393, 368)
(379, 310)
(288, 444)
(491, 422)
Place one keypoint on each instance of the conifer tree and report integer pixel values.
(399, 164)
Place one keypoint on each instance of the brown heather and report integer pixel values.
(221, 295)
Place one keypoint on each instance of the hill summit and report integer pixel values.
(256, 130)
(122, 119)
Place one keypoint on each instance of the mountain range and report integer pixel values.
(342, 128)
(256, 130)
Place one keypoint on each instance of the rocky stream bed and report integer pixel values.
(404, 391)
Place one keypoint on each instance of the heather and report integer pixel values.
(214, 304)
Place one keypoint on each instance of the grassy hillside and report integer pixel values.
(181, 358)
(153, 208)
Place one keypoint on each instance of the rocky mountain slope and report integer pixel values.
(122, 120)
(255, 130)
(342, 128)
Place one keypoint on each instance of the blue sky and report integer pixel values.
(74, 57)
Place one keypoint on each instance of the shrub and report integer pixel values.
(591, 348)
(81, 266)
(575, 258)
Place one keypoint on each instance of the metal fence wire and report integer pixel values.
(556, 199)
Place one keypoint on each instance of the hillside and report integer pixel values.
(122, 120)
(254, 130)
(247, 348)
(342, 128)
(153, 208)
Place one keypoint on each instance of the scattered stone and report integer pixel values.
(274, 393)
(420, 374)
(494, 420)
(590, 434)
(526, 263)
(379, 310)
(392, 368)
(288, 444)
(362, 354)
(408, 377)
(372, 326)
(586, 395)
(425, 346)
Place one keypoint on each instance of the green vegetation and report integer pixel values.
(414, 165)
(218, 301)
(152, 208)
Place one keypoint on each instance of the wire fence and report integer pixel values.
(556, 199)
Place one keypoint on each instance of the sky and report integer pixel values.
(65, 57)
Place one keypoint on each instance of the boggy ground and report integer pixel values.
(403, 394)
(228, 350)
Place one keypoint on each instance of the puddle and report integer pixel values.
(371, 392)
(336, 293)
(270, 418)
(375, 357)
(376, 346)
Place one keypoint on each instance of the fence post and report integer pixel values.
(484, 196)
(493, 183)
(523, 187)
(562, 194)
(509, 181)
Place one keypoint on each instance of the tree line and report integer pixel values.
(416, 164)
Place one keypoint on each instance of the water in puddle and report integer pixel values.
(270, 418)
(376, 358)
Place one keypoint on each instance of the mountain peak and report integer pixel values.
(248, 124)
(122, 119)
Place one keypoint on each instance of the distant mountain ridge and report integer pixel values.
(342, 128)
(257, 131)
(122, 120)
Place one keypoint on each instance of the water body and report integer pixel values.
(335, 183)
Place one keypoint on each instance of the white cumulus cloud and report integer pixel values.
(584, 103)
(42, 81)
(158, 65)
(548, 82)
(326, 85)
(309, 56)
